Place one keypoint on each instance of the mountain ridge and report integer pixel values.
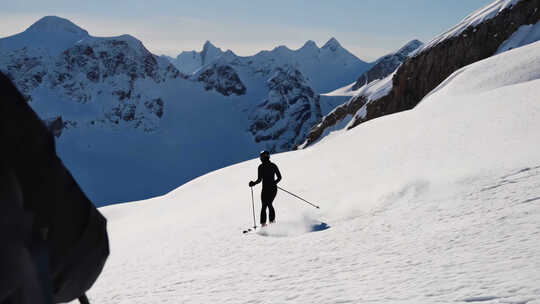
(122, 114)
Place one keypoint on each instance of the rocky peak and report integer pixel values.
(188, 62)
(57, 25)
(49, 36)
(209, 53)
(209, 46)
(309, 45)
(222, 78)
(332, 44)
(410, 47)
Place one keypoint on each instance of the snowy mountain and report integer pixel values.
(49, 36)
(480, 35)
(434, 205)
(190, 61)
(124, 116)
(326, 68)
(98, 75)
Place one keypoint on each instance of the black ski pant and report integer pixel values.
(267, 197)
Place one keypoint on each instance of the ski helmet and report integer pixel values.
(264, 155)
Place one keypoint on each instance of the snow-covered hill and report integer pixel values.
(438, 204)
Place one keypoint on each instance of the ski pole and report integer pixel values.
(253, 205)
(298, 197)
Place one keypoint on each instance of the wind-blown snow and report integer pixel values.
(489, 11)
(439, 204)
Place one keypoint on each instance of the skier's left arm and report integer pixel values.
(278, 174)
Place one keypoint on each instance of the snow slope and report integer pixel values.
(439, 204)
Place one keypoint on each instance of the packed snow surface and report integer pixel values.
(439, 204)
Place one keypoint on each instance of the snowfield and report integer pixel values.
(439, 204)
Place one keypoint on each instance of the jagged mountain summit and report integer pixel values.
(190, 61)
(124, 116)
(326, 68)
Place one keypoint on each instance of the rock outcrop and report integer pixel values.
(291, 109)
(223, 79)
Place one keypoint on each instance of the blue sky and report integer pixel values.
(368, 28)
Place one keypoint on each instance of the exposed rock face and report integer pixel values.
(223, 79)
(387, 64)
(423, 72)
(291, 109)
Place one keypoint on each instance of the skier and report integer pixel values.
(266, 172)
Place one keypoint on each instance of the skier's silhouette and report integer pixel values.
(266, 172)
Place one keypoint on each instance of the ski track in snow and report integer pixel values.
(479, 245)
